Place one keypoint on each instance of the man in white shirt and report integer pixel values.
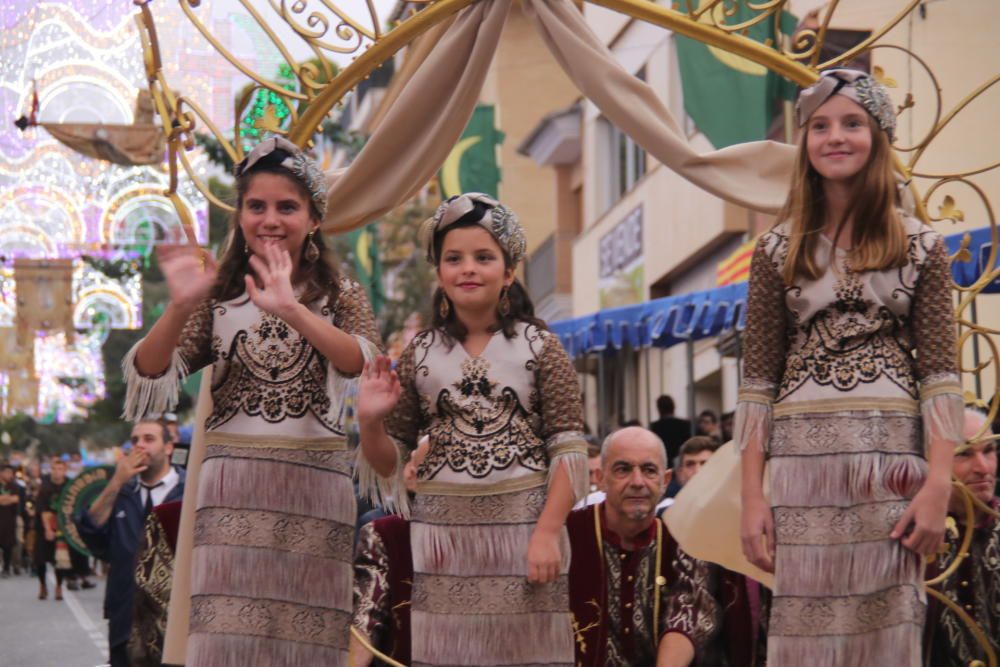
(113, 527)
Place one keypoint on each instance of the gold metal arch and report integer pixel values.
(325, 28)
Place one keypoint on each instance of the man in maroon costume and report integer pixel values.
(636, 597)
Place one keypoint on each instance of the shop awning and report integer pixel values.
(674, 319)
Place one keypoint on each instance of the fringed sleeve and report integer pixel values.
(562, 415)
(372, 614)
(150, 395)
(934, 334)
(353, 315)
(403, 426)
(764, 348)
(691, 608)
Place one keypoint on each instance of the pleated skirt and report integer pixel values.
(271, 564)
(845, 593)
(472, 603)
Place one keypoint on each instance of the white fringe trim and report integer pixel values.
(575, 465)
(752, 423)
(340, 386)
(944, 419)
(150, 395)
(389, 493)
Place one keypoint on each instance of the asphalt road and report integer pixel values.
(37, 633)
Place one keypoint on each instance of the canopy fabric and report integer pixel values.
(674, 319)
(657, 323)
(127, 145)
(429, 114)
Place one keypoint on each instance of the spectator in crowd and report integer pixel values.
(975, 585)
(49, 545)
(383, 579)
(708, 424)
(726, 426)
(11, 503)
(113, 526)
(636, 597)
(694, 454)
(673, 431)
(74, 466)
(594, 494)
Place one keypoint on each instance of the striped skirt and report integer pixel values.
(472, 603)
(845, 593)
(271, 564)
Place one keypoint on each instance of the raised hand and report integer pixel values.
(130, 465)
(274, 277)
(378, 390)
(190, 273)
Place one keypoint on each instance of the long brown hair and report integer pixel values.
(320, 278)
(878, 239)
(521, 307)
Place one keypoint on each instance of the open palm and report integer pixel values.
(190, 273)
(272, 291)
(378, 390)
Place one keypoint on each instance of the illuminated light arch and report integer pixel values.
(121, 312)
(26, 205)
(21, 240)
(135, 206)
(100, 86)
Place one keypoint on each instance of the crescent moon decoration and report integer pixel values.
(739, 63)
(451, 181)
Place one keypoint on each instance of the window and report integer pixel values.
(628, 163)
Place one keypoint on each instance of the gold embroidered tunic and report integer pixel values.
(499, 424)
(274, 526)
(836, 387)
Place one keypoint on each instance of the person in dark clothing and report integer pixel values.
(11, 504)
(113, 526)
(673, 431)
(49, 547)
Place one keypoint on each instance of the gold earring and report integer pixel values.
(312, 250)
(504, 305)
(445, 308)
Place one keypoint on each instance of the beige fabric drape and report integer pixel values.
(755, 175)
(705, 516)
(425, 121)
(127, 145)
(179, 610)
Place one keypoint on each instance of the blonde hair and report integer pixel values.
(878, 239)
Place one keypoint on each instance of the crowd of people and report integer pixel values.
(498, 534)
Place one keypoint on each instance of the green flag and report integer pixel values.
(731, 99)
(367, 263)
(472, 164)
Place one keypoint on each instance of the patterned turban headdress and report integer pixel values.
(498, 220)
(305, 170)
(857, 86)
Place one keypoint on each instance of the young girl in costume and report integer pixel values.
(282, 333)
(847, 393)
(500, 400)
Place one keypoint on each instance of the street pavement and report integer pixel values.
(37, 633)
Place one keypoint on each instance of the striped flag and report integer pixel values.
(735, 268)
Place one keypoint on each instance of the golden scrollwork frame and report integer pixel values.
(326, 28)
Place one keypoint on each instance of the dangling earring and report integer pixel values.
(503, 307)
(312, 250)
(246, 248)
(445, 308)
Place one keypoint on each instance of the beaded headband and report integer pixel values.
(306, 171)
(499, 221)
(857, 86)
